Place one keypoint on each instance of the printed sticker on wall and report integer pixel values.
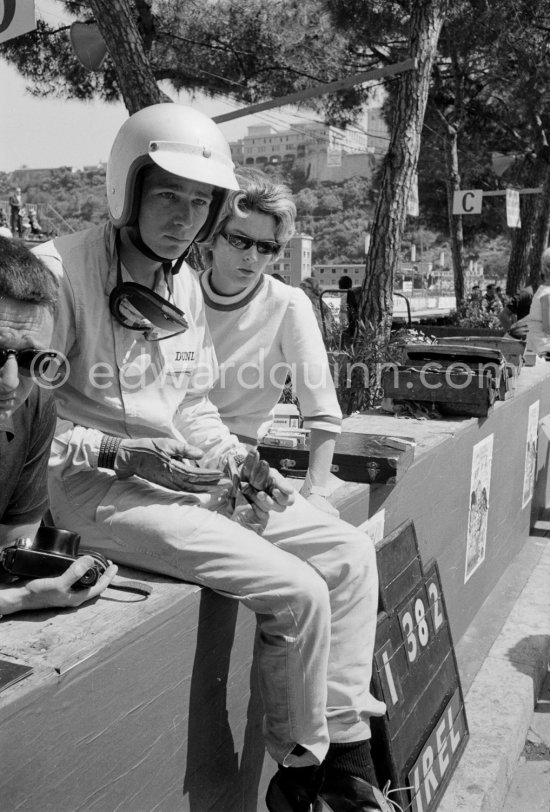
(480, 483)
(374, 527)
(530, 453)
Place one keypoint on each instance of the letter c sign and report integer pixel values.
(7, 16)
(16, 18)
(467, 201)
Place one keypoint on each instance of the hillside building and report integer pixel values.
(322, 152)
(34, 177)
(420, 275)
(295, 263)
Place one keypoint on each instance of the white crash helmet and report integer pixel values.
(177, 138)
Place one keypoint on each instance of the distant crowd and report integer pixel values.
(511, 311)
(508, 309)
(22, 220)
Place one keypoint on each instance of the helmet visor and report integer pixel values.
(201, 163)
(138, 308)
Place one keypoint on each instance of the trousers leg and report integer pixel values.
(138, 525)
(345, 557)
(311, 579)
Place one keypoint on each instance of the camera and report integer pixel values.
(50, 553)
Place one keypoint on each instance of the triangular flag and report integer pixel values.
(502, 162)
(88, 45)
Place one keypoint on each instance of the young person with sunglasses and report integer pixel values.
(135, 416)
(262, 330)
(28, 293)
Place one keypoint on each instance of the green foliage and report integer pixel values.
(67, 200)
(45, 57)
(337, 217)
(338, 235)
(243, 51)
(493, 254)
(357, 371)
(472, 314)
(489, 83)
(306, 202)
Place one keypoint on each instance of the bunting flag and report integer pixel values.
(502, 161)
(513, 218)
(88, 45)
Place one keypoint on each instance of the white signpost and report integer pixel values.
(16, 17)
(413, 209)
(513, 218)
(467, 201)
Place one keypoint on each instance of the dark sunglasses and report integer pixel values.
(32, 363)
(244, 243)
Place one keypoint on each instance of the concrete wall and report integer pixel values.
(318, 166)
(138, 704)
(435, 491)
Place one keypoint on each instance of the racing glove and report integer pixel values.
(161, 460)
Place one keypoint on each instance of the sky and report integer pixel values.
(46, 132)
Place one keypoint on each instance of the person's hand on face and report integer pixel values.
(23, 325)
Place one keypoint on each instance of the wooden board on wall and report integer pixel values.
(399, 565)
(419, 741)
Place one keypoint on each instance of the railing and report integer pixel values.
(408, 304)
(332, 291)
(59, 217)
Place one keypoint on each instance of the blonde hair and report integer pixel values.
(260, 193)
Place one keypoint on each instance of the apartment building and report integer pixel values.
(321, 151)
(295, 263)
(421, 275)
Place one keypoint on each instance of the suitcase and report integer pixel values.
(370, 458)
(455, 393)
(461, 380)
(511, 348)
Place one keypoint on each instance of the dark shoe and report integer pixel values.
(346, 793)
(294, 789)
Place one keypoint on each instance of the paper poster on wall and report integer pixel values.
(480, 483)
(374, 527)
(530, 453)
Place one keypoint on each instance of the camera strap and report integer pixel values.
(131, 586)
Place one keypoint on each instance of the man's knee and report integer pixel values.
(357, 547)
(357, 562)
(308, 591)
